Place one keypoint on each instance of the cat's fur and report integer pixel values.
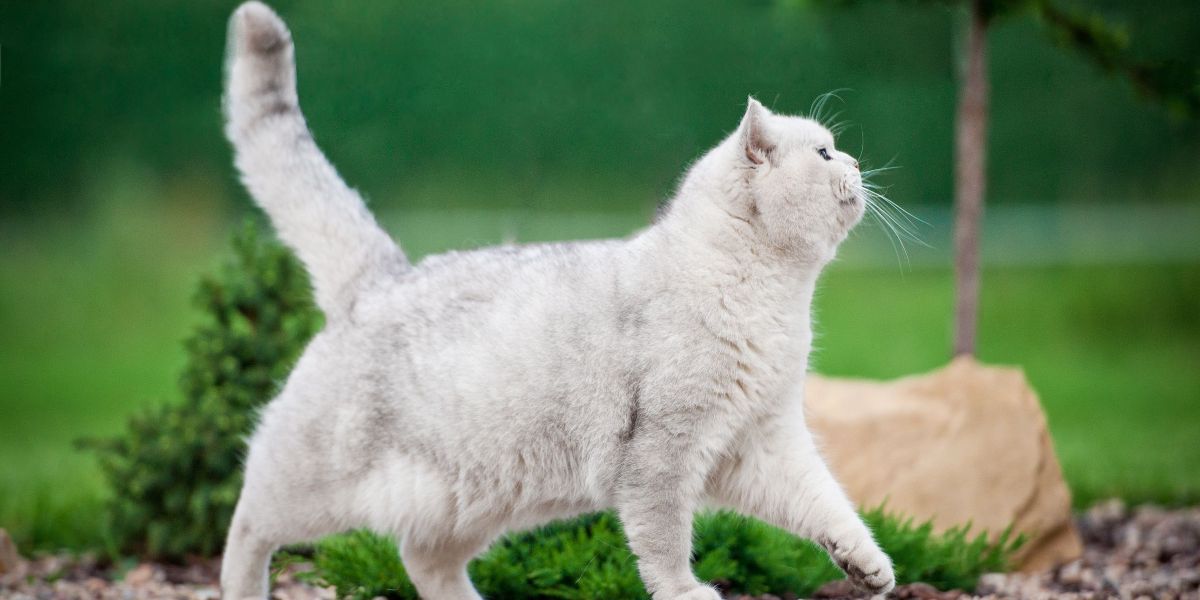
(450, 401)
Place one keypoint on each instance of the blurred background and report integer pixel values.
(468, 123)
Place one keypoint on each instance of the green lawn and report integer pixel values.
(93, 317)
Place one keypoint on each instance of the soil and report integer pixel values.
(1146, 552)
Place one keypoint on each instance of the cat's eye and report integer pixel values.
(824, 154)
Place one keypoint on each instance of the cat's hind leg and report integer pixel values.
(273, 512)
(283, 500)
(780, 477)
(438, 569)
(267, 517)
(247, 557)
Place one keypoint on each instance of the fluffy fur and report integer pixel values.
(450, 401)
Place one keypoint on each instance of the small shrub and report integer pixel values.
(581, 558)
(587, 558)
(750, 556)
(950, 560)
(175, 473)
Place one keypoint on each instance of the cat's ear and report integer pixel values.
(755, 139)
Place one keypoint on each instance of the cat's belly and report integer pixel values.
(485, 485)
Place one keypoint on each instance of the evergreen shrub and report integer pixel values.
(175, 473)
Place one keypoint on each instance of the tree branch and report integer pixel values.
(1173, 83)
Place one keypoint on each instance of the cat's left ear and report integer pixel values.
(755, 139)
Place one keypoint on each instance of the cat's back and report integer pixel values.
(529, 294)
(497, 270)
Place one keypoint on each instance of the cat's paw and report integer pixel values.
(699, 593)
(865, 565)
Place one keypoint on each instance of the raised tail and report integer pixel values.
(324, 221)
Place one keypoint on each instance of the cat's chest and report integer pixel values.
(764, 351)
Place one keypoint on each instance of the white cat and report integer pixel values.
(450, 401)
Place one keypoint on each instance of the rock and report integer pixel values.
(837, 590)
(9, 558)
(94, 586)
(916, 591)
(1070, 573)
(141, 575)
(964, 444)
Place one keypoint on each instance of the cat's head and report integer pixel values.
(800, 193)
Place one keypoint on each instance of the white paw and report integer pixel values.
(700, 593)
(865, 565)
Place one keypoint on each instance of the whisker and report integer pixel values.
(896, 239)
(906, 229)
(877, 191)
(902, 211)
(904, 223)
(896, 222)
(817, 108)
(869, 172)
(889, 233)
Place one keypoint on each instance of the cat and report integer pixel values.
(474, 393)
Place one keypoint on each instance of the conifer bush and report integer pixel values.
(175, 472)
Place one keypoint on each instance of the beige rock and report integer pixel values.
(964, 444)
(141, 575)
(8, 553)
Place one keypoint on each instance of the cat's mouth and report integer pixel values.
(848, 192)
(852, 201)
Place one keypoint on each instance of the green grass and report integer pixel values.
(588, 558)
(93, 310)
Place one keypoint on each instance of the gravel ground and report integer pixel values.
(79, 578)
(1134, 554)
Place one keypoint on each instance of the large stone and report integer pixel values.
(964, 444)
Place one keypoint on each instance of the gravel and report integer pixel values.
(1147, 552)
(1131, 554)
(78, 578)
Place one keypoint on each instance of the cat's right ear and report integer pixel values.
(755, 140)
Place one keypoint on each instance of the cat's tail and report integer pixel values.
(314, 211)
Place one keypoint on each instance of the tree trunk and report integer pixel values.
(970, 160)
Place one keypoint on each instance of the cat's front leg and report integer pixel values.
(661, 486)
(780, 477)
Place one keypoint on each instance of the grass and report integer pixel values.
(588, 558)
(93, 310)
